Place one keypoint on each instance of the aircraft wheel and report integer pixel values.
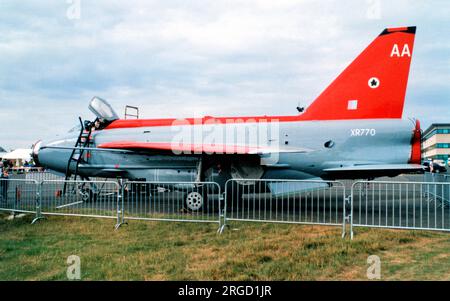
(195, 201)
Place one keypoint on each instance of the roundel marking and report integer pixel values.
(373, 82)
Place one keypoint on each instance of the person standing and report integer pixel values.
(4, 185)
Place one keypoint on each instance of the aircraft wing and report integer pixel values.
(369, 171)
(185, 148)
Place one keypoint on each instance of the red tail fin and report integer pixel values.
(374, 85)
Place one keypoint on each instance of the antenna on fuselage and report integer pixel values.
(300, 109)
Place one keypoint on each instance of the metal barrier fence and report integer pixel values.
(436, 177)
(40, 176)
(81, 198)
(286, 201)
(381, 204)
(442, 196)
(400, 205)
(172, 201)
(18, 195)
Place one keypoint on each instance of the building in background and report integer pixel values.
(436, 143)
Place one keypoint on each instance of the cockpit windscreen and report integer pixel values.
(102, 109)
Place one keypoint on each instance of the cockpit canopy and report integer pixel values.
(102, 109)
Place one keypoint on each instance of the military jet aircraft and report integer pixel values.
(353, 130)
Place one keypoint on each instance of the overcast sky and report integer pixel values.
(193, 58)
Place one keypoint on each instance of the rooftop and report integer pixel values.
(436, 126)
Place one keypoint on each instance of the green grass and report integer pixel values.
(185, 251)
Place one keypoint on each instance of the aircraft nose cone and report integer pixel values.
(52, 154)
(35, 152)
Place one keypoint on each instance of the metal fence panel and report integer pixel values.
(36, 175)
(401, 205)
(42, 175)
(172, 201)
(81, 198)
(18, 195)
(436, 177)
(441, 195)
(286, 201)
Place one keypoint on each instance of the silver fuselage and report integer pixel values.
(303, 148)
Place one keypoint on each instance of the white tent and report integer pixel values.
(19, 154)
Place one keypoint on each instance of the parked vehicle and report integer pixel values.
(437, 168)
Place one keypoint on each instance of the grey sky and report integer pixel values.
(193, 58)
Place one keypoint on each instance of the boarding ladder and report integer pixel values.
(83, 141)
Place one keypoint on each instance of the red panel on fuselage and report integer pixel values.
(134, 123)
(181, 147)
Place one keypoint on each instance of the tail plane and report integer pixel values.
(374, 85)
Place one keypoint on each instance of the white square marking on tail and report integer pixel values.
(352, 105)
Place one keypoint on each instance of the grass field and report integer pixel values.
(183, 251)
